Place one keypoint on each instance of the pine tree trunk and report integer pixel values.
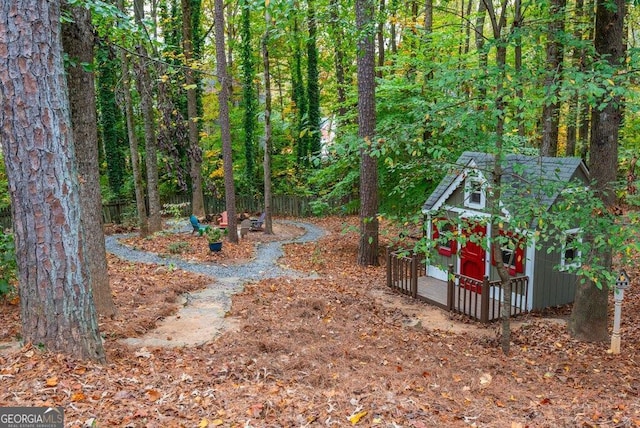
(368, 247)
(194, 151)
(78, 43)
(55, 295)
(589, 315)
(225, 126)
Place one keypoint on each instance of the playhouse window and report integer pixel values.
(512, 254)
(474, 196)
(570, 253)
(444, 227)
(507, 254)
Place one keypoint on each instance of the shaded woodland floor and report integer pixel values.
(340, 350)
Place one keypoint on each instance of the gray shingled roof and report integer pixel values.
(530, 169)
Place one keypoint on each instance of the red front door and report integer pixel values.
(472, 255)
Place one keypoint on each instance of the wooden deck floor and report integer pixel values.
(433, 290)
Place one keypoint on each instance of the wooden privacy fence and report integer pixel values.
(477, 299)
(281, 205)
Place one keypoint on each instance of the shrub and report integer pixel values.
(8, 264)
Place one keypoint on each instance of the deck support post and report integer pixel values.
(484, 301)
(414, 275)
(389, 269)
(450, 288)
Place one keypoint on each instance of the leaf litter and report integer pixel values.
(338, 350)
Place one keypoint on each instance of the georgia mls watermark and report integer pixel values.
(31, 417)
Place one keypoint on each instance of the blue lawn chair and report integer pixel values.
(197, 227)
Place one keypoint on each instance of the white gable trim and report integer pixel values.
(455, 184)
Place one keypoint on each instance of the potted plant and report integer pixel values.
(214, 236)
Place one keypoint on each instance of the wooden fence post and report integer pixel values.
(484, 301)
(450, 288)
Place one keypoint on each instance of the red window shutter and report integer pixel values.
(435, 234)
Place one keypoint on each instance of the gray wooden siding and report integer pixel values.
(552, 287)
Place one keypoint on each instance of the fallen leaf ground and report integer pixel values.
(341, 350)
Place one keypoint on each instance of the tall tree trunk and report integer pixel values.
(574, 102)
(498, 23)
(338, 46)
(517, 26)
(466, 25)
(55, 295)
(555, 57)
(143, 82)
(393, 44)
(112, 120)
(194, 151)
(589, 314)
(225, 125)
(428, 17)
(248, 95)
(412, 45)
(78, 44)
(584, 112)
(299, 98)
(368, 247)
(313, 85)
(482, 54)
(136, 171)
(266, 164)
(380, 36)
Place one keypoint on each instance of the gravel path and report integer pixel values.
(202, 316)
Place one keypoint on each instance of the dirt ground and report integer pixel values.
(341, 350)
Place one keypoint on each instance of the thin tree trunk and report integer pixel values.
(194, 151)
(248, 95)
(482, 54)
(380, 36)
(393, 45)
(589, 314)
(574, 102)
(338, 45)
(266, 164)
(584, 115)
(555, 57)
(368, 247)
(517, 25)
(145, 90)
(225, 126)
(313, 85)
(57, 308)
(467, 26)
(133, 142)
(78, 43)
(498, 23)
